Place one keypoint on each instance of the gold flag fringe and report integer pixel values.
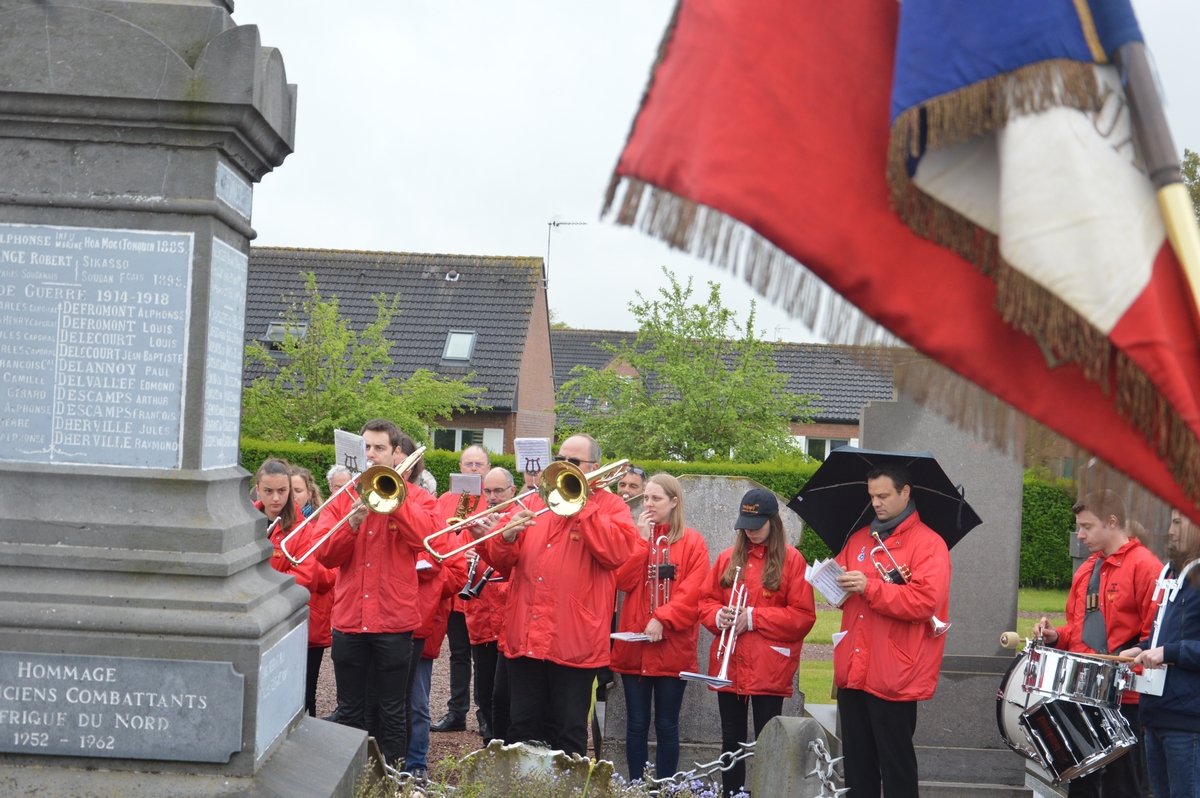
(725, 242)
(1062, 334)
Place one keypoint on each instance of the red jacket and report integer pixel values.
(564, 581)
(765, 659)
(1127, 581)
(376, 589)
(889, 649)
(310, 575)
(447, 504)
(680, 616)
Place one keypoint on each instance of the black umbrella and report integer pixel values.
(835, 502)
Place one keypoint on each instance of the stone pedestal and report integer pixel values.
(140, 622)
(712, 506)
(957, 740)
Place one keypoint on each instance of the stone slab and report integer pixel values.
(317, 760)
(784, 744)
(119, 707)
(281, 680)
(933, 789)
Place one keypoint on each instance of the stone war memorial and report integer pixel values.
(146, 646)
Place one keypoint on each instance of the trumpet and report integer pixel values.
(728, 642)
(660, 572)
(901, 575)
(563, 487)
(381, 488)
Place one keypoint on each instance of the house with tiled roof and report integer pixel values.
(458, 315)
(841, 382)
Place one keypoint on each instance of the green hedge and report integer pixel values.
(1046, 520)
(1047, 524)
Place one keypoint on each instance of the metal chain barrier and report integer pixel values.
(826, 770)
(724, 762)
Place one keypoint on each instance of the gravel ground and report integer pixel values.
(440, 745)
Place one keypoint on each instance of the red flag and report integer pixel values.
(774, 116)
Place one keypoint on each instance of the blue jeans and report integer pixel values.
(418, 744)
(666, 692)
(1173, 759)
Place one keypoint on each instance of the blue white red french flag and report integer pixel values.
(965, 173)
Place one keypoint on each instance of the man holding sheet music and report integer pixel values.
(888, 657)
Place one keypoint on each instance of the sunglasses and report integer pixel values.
(636, 470)
(575, 461)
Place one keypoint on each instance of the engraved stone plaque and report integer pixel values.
(281, 685)
(93, 343)
(234, 192)
(119, 707)
(223, 370)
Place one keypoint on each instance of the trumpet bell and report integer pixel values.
(564, 488)
(940, 627)
(381, 489)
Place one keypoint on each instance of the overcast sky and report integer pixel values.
(465, 127)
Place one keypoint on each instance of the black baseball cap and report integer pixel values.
(758, 506)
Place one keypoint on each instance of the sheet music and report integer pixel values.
(822, 575)
(350, 450)
(533, 454)
(631, 637)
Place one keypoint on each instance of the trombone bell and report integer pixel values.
(564, 488)
(381, 489)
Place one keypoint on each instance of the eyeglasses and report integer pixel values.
(472, 465)
(575, 461)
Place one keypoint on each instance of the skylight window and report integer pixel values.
(459, 345)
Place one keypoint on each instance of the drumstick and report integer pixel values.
(1113, 657)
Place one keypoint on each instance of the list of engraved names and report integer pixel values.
(93, 342)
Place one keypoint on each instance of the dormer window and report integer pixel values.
(277, 331)
(460, 344)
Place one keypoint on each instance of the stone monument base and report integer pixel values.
(318, 759)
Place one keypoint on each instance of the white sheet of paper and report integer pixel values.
(533, 454)
(822, 575)
(471, 483)
(424, 565)
(837, 638)
(631, 637)
(350, 450)
(787, 652)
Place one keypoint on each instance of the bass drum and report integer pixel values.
(1068, 739)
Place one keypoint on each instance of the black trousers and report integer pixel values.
(550, 704)
(354, 657)
(460, 666)
(735, 710)
(316, 655)
(501, 700)
(484, 658)
(877, 741)
(1124, 777)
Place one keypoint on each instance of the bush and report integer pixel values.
(1046, 527)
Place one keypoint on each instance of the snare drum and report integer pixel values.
(1080, 678)
(1067, 739)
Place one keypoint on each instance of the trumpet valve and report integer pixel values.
(906, 575)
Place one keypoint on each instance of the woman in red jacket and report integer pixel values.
(650, 671)
(779, 613)
(273, 482)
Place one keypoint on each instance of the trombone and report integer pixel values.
(382, 490)
(563, 487)
(737, 604)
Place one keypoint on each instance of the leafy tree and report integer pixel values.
(1191, 178)
(556, 322)
(694, 385)
(332, 377)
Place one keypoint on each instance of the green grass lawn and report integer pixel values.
(1045, 601)
(816, 680)
(828, 622)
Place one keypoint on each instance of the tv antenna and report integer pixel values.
(546, 266)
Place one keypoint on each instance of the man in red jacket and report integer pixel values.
(473, 460)
(563, 584)
(375, 606)
(888, 659)
(1109, 609)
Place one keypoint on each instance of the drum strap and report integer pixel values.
(1095, 633)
